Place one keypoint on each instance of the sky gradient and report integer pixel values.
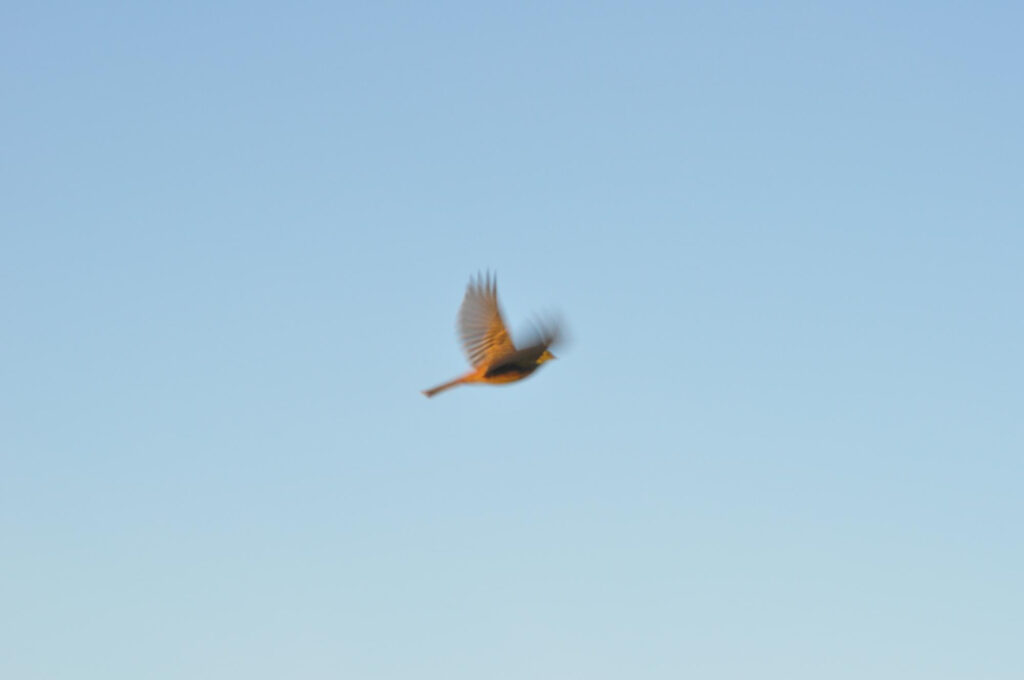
(785, 440)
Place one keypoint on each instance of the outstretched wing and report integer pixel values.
(546, 332)
(481, 328)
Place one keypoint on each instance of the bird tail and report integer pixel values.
(445, 386)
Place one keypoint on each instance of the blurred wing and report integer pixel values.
(481, 328)
(544, 334)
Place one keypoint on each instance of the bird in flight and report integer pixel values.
(487, 344)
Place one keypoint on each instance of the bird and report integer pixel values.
(487, 344)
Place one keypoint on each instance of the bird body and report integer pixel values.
(487, 344)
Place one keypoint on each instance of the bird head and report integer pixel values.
(546, 356)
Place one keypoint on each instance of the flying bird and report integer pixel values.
(487, 344)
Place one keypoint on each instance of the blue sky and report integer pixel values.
(784, 442)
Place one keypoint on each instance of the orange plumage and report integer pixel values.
(485, 339)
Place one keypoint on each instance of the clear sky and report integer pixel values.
(786, 438)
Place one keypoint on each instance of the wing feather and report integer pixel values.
(481, 327)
